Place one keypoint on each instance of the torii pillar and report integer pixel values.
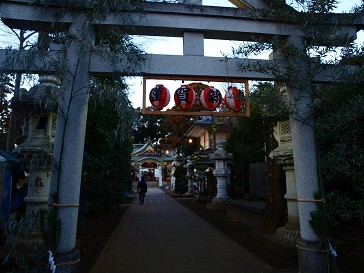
(311, 256)
(69, 142)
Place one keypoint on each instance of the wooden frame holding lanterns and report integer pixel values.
(246, 113)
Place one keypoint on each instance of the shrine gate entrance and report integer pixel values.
(193, 22)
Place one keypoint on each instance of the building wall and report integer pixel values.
(221, 135)
(205, 140)
(208, 139)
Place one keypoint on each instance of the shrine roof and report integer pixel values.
(143, 152)
(151, 158)
(204, 120)
(199, 126)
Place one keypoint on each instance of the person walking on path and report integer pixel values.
(142, 189)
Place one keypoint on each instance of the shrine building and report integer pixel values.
(154, 165)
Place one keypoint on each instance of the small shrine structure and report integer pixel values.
(145, 160)
(208, 135)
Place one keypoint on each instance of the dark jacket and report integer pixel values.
(142, 185)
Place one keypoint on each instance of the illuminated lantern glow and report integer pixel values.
(211, 98)
(184, 97)
(159, 96)
(234, 99)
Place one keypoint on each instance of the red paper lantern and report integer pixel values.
(159, 96)
(234, 99)
(184, 97)
(211, 98)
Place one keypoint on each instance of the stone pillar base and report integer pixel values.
(35, 203)
(32, 244)
(68, 262)
(283, 248)
(189, 194)
(218, 203)
(312, 257)
(286, 235)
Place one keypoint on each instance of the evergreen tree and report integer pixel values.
(249, 135)
(340, 126)
(108, 145)
(5, 91)
(147, 127)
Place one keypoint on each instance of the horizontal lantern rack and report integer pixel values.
(215, 113)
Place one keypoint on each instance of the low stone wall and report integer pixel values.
(250, 213)
(151, 183)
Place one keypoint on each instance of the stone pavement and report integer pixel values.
(162, 236)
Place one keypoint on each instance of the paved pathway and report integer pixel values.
(162, 236)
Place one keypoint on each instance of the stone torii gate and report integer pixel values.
(193, 22)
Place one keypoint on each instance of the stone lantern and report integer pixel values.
(159, 173)
(199, 176)
(201, 162)
(38, 106)
(176, 162)
(284, 156)
(221, 172)
(189, 167)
